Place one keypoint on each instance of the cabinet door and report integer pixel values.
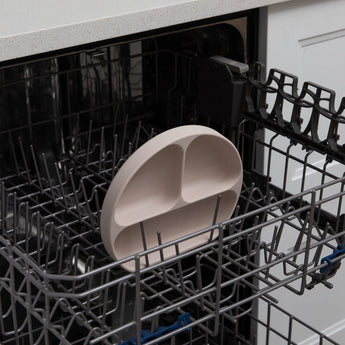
(307, 39)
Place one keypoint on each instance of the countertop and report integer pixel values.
(30, 27)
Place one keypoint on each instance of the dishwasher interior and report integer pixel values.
(67, 124)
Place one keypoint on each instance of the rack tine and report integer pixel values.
(36, 167)
(144, 243)
(138, 310)
(317, 255)
(24, 159)
(60, 250)
(33, 228)
(215, 215)
(155, 320)
(89, 266)
(3, 211)
(45, 236)
(48, 177)
(129, 148)
(61, 186)
(15, 220)
(101, 146)
(152, 133)
(179, 267)
(159, 237)
(9, 205)
(75, 195)
(237, 211)
(13, 152)
(123, 301)
(77, 127)
(98, 209)
(337, 224)
(216, 210)
(199, 279)
(270, 254)
(20, 212)
(28, 227)
(124, 135)
(136, 141)
(251, 240)
(114, 156)
(88, 205)
(105, 297)
(38, 237)
(250, 197)
(279, 235)
(299, 240)
(115, 123)
(74, 263)
(88, 143)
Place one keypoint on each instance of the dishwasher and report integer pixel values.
(69, 120)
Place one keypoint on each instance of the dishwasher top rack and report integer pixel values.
(58, 284)
(311, 119)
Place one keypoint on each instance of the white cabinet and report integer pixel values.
(307, 39)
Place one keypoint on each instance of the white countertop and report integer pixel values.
(29, 27)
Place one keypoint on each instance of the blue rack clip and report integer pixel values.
(146, 335)
(336, 252)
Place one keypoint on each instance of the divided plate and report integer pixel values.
(170, 185)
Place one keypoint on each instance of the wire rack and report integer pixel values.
(59, 286)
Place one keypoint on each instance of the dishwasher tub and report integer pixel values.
(59, 286)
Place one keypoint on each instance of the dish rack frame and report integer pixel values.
(59, 286)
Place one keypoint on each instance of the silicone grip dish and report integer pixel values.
(170, 185)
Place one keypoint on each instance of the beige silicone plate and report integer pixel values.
(170, 185)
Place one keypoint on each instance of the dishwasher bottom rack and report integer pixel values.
(59, 286)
